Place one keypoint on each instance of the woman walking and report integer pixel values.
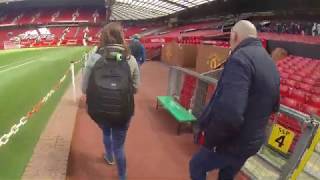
(110, 81)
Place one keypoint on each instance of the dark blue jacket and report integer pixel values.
(247, 93)
(138, 51)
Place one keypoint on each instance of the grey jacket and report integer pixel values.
(93, 58)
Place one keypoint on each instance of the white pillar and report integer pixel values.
(73, 81)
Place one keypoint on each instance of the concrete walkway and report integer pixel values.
(50, 158)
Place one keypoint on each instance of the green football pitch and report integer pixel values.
(26, 75)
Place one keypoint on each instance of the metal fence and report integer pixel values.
(271, 162)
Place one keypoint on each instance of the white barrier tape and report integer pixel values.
(51, 92)
(10, 133)
(4, 140)
(44, 99)
(63, 78)
(14, 129)
(23, 120)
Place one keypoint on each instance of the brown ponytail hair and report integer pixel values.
(112, 33)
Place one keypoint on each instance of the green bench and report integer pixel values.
(176, 110)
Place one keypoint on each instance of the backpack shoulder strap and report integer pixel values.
(124, 62)
(99, 63)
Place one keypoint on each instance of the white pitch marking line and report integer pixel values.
(4, 66)
(15, 67)
(14, 63)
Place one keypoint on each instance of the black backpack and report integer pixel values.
(110, 92)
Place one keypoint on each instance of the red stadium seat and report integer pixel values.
(290, 102)
(187, 90)
(280, 63)
(280, 69)
(284, 90)
(190, 80)
(309, 81)
(185, 101)
(298, 95)
(284, 75)
(283, 81)
(296, 68)
(309, 109)
(290, 123)
(295, 77)
(315, 76)
(304, 86)
(290, 83)
(315, 101)
(280, 117)
(286, 68)
(291, 63)
(302, 73)
(316, 90)
(308, 96)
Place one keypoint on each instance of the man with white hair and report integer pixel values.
(236, 117)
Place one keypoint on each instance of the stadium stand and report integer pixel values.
(299, 79)
(65, 15)
(85, 15)
(72, 35)
(195, 33)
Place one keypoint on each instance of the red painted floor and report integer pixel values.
(154, 151)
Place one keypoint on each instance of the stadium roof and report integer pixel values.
(147, 9)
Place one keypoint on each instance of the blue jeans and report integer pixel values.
(113, 140)
(206, 160)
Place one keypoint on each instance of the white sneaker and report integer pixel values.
(109, 161)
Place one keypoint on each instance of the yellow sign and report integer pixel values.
(212, 62)
(281, 138)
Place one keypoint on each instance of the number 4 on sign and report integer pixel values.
(280, 141)
(281, 138)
